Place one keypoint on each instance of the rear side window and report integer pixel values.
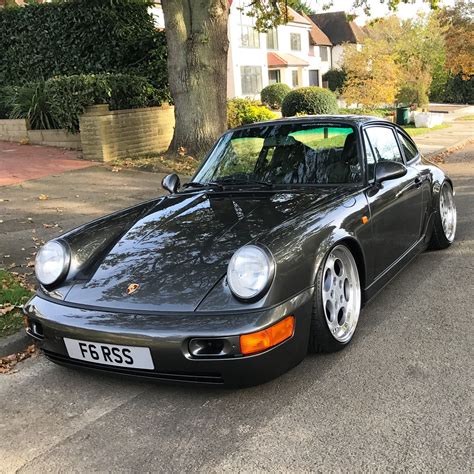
(384, 144)
(409, 150)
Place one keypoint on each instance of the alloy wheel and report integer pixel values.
(447, 210)
(341, 294)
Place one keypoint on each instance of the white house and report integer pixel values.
(296, 53)
(340, 31)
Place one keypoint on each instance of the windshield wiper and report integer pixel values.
(211, 184)
(245, 182)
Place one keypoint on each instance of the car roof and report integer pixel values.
(355, 120)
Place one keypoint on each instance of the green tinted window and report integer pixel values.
(322, 137)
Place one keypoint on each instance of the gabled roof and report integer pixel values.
(277, 59)
(338, 28)
(316, 35)
(295, 17)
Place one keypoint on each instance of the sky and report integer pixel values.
(378, 9)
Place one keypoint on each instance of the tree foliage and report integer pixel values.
(459, 33)
(372, 74)
(398, 62)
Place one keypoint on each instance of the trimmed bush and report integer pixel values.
(309, 100)
(245, 111)
(39, 41)
(335, 79)
(274, 94)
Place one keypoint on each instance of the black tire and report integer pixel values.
(438, 240)
(320, 338)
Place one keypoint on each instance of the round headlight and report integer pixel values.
(250, 271)
(52, 262)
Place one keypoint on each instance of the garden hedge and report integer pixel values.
(40, 41)
(309, 100)
(274, 94)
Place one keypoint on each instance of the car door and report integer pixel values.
(395, 205)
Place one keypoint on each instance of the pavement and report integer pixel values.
(20, 163)
(399, 398)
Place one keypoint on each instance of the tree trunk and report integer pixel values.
(196, 33)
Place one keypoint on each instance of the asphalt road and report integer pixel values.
(398, 398)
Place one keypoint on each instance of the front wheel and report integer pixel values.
(444, 228)
(337, 301)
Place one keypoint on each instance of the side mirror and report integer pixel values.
(171, 183)
(385, 170)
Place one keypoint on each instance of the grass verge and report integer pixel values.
(413, 131)
(466, 118)
(13, 293)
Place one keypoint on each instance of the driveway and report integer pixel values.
(398, 398)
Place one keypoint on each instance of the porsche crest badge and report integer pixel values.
(132, 288)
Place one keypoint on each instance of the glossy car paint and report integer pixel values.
(176, 248)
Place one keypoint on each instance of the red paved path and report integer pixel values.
(20, 163)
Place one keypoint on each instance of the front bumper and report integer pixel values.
(167, 335)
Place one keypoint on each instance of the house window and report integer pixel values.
(274, 76)
(313, 77)
(294, 78)
(272, 39)
(323, 52)
(295, 41)
(249, 37)
(251, 79)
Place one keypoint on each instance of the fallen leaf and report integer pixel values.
(43, 197)
(6, 309)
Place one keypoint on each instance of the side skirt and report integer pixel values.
(394, 269)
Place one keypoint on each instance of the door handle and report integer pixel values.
(418, 181)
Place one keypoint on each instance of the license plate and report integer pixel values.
(109, 354)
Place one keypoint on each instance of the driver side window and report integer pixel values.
(384, 144)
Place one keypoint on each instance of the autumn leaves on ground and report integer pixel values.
(14, 292)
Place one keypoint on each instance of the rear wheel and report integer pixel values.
(337, 301)
(444, 228)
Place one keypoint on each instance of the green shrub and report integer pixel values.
(7, 95)
(274, 94)
(309, 100)
(460, 90)
(40, 41)
(131, 92)
(30, 102)
(335, 79)
(245, 111)
(413, 94)
(69, 96)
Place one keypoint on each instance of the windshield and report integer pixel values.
(284, 154)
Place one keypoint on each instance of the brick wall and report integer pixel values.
(13, 130)
(108, 135)
(57, 138)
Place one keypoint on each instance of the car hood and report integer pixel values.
(180, 249)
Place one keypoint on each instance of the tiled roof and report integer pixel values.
(316, 35)
(338, 28)
(295, 17)
(284, 60)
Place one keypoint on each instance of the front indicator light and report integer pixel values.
(263, 340)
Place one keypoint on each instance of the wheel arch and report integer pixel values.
(354, 246)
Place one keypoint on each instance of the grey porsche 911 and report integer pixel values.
(283, 234)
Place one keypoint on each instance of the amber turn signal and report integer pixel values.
(262, 340)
